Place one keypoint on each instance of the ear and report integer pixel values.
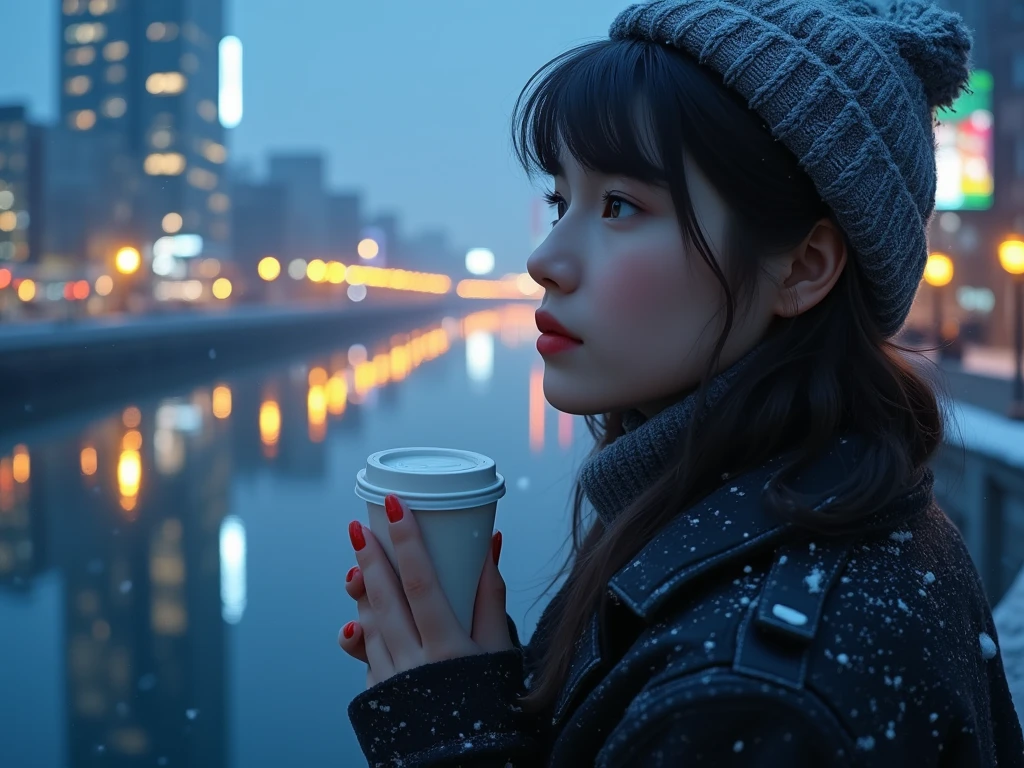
(811, 270)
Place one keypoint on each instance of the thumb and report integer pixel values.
(490, 625)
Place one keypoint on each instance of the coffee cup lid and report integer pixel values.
(430, 478)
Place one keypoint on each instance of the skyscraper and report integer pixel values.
(20, 186)
(148, 73)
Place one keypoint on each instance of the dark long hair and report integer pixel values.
(638, 109)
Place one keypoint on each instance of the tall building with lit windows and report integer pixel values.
(148, 73)
(21, 186)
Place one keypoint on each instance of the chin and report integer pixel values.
(575, 395)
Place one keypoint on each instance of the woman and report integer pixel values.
(742, 189)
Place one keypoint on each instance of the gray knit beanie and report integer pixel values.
(849, 89)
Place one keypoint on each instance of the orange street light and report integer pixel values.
(938, 273)
(128, 261)
(1011, 258)
(269, 268)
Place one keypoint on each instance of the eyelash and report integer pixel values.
(554, 200)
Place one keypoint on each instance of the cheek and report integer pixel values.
(653, 294)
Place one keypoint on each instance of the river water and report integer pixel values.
(171, 571)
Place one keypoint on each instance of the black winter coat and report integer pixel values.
(734, 639)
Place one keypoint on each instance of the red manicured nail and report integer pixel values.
(496, 547)
(351, 573)
(355, 532)
(348, 630)
(393, 507)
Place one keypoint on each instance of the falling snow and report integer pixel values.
(813, 581)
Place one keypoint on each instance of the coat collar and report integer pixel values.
(732, 522)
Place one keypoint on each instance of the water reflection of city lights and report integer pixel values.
(88, 461)
(221, 402)
(337, 395)
(317, 377)
(365, 377)
(382, 369)
(401, 362)
(132, 441)
(21, 465)
(168, 451)
(131, 417)
(537, 405)
(564, 429)
(232, 569)
(129, 478)
(480, 356)
(357, 354)
(316, 408)
(270, 422)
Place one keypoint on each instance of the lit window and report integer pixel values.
(82, 120)
(115, 51)
(158, 31)
(85, 33)
(116, 74)
(202, 178)
(71, 7)
(100, 7)
(173, 223)
(80, 57)
(207, 110)
(167, 164)
(161, 138)
(115, 107)
(166, 83)
(214, 152)
(78, 85)
(218, 202)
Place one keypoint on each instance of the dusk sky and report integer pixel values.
(410, 100)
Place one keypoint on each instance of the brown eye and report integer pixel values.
(617, 208)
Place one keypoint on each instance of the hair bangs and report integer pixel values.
(590, 102)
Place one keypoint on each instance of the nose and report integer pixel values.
(553, 266)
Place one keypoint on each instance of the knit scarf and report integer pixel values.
(618, 474)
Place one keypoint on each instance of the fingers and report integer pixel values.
(350, 638)
(391, 621)
(378, 656)
(431, 611)
(490, 624)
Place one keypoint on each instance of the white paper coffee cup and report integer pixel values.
(453, 495)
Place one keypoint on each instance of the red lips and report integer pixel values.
(546, 323)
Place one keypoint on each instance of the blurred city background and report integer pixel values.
(245, 244)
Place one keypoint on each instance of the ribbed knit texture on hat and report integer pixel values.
(849, 90)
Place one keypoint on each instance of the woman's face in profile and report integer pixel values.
(619, 276)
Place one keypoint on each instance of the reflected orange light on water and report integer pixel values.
(21, 465)
(88, 461)
(564, 429)
(132, 417)
(270, 422)
(337, 394)
(537, 406)
(316, 408)
(382, 369)
(6, 485)
(129, 478)
(132, 441)
(401, 362)
(221, 402)
(365, 377)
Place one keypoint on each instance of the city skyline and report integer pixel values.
(438, 153)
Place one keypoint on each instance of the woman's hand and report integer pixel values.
(405, 623)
